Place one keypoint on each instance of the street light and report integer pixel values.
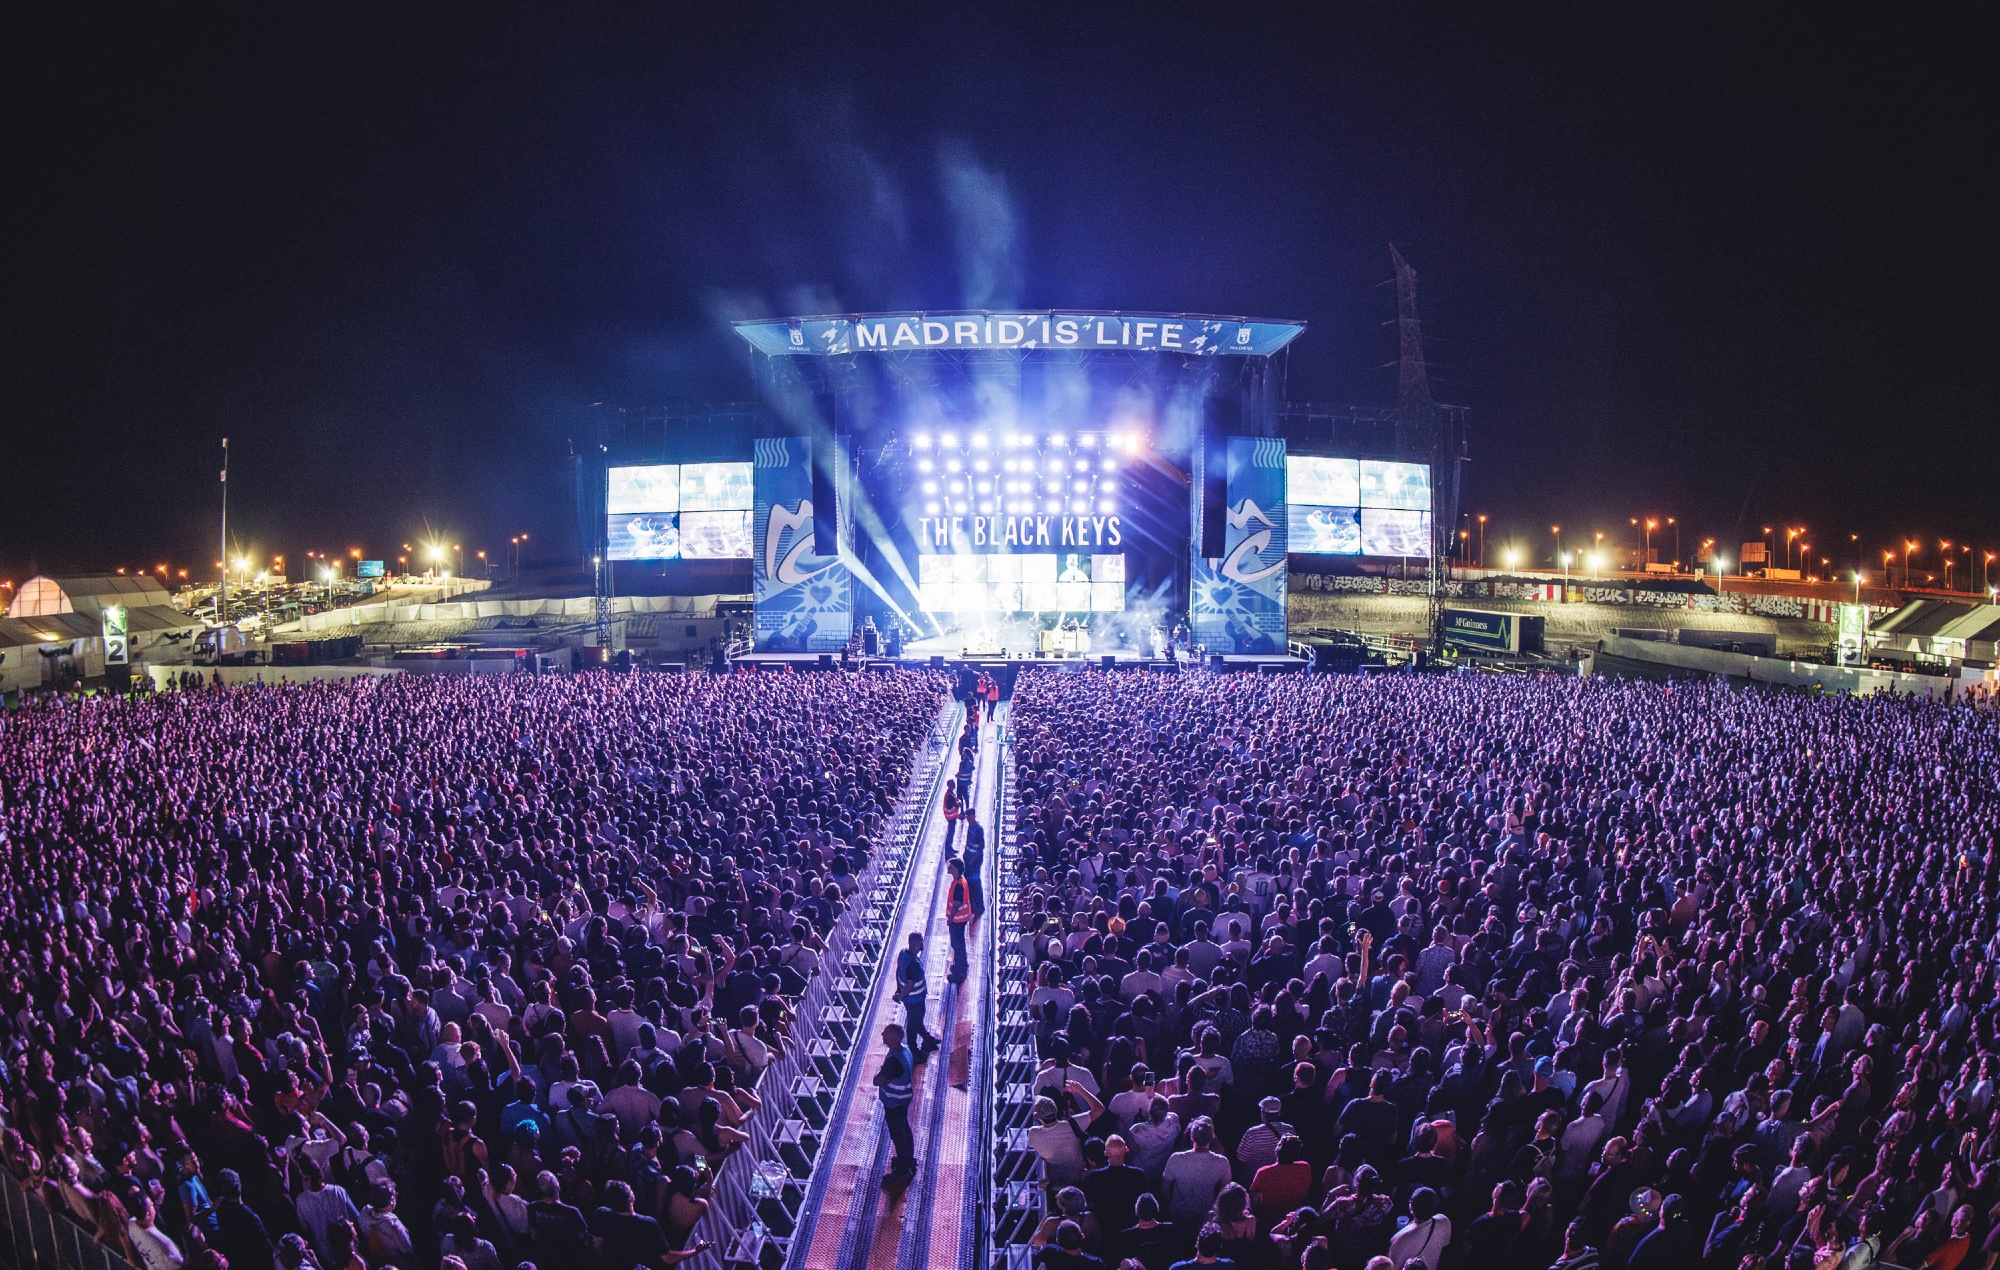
(1944, 549)
(1908, 547)
(1646, 551)
(1677, 542)
(1513, 557)
(1557, 530)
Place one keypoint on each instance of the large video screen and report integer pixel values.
(1319, 482)
(1390, 532)
(1348, 507)
(1039, 582)
(656, 488)
(715, 535)
(673, 511)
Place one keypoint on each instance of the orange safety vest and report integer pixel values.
(958, 903)
(951, 811)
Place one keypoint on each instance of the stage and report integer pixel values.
(1014, 662)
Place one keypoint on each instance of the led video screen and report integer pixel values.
(1348, 507)
(654, 488)
(715, 535)
(1039, 582)
(643, 536)
(716, 487)
(1322, 482)
(1398, 486)
(1391, 532)
(672, 511)
(1325, 530)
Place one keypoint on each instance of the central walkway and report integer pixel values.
(858, 1222)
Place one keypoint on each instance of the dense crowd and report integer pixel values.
(419, 971)
(1508, 973)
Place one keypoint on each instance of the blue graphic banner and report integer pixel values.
(1194, 334)
(804, 602)
(1237, 605)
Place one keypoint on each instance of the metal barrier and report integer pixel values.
(39, 1239)
(1014, 1203)
(761, 1190)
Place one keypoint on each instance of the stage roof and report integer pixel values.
(1056, 330)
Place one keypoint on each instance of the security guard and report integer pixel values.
(957, 914)
(897, 1081)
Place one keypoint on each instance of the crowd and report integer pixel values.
(1508, 973)
(419, 971)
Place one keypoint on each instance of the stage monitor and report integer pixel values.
(672, 511)
(1357, 507)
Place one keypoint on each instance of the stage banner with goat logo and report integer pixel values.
(804, 602)
(1237, 604)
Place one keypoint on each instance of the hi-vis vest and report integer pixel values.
(958, 902)
(900, 1091)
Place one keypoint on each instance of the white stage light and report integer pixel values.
(1083, 465)
(1109, 465)
(930, 487)
(979, 465)
(932, 509)
(949, 440)
(1106, 506)
(921, 440)
(923, 465)
(1057, 438)
(1079, 506)
(953, 465)
(981, 440)
(1087, 440)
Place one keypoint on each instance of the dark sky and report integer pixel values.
(1737, 275)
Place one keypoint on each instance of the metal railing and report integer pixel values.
(760, 1192)
(1013, 1199)
(37, 1238)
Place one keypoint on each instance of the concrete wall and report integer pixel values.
(1774, 670)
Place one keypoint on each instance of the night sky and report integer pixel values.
(1742, 276)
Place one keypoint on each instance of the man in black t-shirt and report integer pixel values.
(561, 1236)
(630, 1239)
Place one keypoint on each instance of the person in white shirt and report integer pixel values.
(1131, 1105)
(1056, 1071)
(1580, 1138)
(1059, 1140)
(1422, 1241)
(1326, 961)
(156, 1251)
(1142, 979)
(1613, 1087)
(1154, 1137)
(1193, 1178)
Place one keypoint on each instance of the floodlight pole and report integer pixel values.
(222, 606)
